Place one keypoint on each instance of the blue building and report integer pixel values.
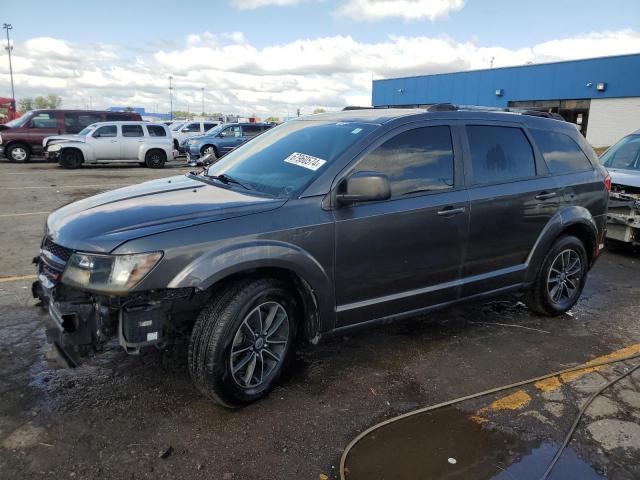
(600, 95)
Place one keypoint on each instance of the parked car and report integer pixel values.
(190, 129)
(22, 138)
(623, 162)
(321, 225)
(221, 139)
(149, 144)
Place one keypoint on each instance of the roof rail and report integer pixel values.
(450, 107)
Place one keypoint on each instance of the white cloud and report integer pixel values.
(405, 9)
(253, 4)
(239, 77)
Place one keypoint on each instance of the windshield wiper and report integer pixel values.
(224, 178)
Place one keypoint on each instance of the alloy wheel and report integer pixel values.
(18, 154)
(259, 345)
(565, 275)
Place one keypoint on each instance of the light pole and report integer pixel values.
(7, 27)
(202, 88)
(170, 98)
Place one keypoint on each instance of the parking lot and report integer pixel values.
(125, 416)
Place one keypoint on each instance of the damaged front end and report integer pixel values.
(623, 217)
(81, 322)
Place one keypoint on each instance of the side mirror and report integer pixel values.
(364, 187)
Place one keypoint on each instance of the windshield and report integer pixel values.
(19, 122)
(176, 126)
(624, 155)
(284, 160)
(87, 130)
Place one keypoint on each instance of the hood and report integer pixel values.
(62, 138)
(630, 178)
(102, 222)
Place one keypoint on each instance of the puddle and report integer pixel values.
(446, 444)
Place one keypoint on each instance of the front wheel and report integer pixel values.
(561, 278)
(242, 340)
(70, 159)
(18, 152)
(209, 150)
(155, 159)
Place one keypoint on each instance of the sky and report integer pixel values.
(271, 57)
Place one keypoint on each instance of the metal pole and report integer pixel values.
(202, 100)
(7, 27)
(170, 98)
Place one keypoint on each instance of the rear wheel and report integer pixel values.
(242, 340)
(155, 159)
(71, 159)
(18, 152)
(561, 278)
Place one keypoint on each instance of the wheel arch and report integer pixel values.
(309, 281)
(68, 148)
(15, 142)
(573, 220)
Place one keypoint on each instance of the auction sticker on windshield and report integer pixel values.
(306, 161)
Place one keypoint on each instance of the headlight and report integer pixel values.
(54, 148)
(109, 273)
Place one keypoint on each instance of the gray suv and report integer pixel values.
(321, 225)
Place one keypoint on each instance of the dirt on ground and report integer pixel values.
(128, 417)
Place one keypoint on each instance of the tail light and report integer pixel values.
(607, 183)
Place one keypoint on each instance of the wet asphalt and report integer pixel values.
(123, 416)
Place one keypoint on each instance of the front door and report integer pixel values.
(512, 197)
(404, 253)
(105, 142)
(230, 138)
(41, 125)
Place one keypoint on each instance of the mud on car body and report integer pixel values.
(321, 225)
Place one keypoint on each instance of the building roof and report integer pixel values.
(574, 79)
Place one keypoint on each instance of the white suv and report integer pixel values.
(146, 143)
(190, 129)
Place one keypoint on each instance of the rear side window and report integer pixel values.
(192, 127)
(561, 152)
(499, 154)
(76, 122)
(251, 130)
(418, 160)
(209, 126)
(106, 131)
(156, 131)
(132, 131)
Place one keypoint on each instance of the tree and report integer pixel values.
(25, 104)
(54, 101)
(50, 101)
(128, 109)
(319, 110)
(182, 114)
(272, 120)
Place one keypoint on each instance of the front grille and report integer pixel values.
(59, 251)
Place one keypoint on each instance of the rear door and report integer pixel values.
(105, 142)
(404, 253)
(512, 197)
(132, 138)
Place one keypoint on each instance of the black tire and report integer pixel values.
(213, 150)
(216, 330)
(155, 158)
(71, 159)
(175, 144)
(540, 298)
(18, 152)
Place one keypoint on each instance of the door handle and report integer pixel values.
(450, 211)
(114, 141)
(545, 195)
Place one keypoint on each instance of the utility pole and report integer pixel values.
(170, 98)
(202, 88)
(7, 27)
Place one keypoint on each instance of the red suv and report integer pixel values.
(22, 137)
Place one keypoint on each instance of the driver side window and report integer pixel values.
(418, 160)
(106, 131)
(231, 132)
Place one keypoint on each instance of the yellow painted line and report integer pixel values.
(514, 401)
(22, 214)
(17, 278)
(72, 186)
(553, 383)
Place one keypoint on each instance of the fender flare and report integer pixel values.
(566, 219)
(82, 151)
(216, 265)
